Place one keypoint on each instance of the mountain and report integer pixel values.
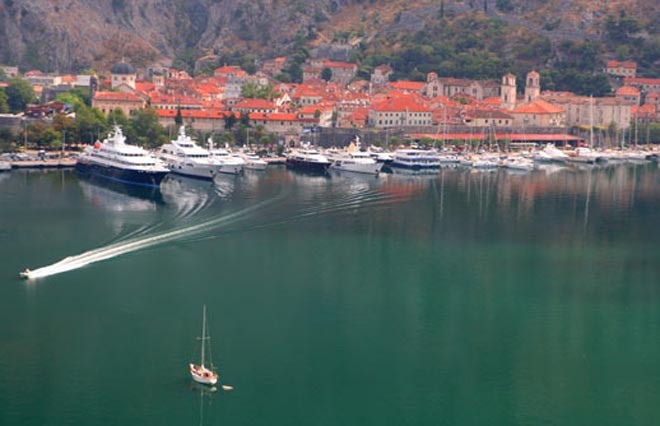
(72, 35)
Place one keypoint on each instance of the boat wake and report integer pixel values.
(141, 242)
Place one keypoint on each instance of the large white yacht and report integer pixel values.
(353, 160)
(416, 159)
(183, 156)
(309, 160)
(115, 160)
(225, 161)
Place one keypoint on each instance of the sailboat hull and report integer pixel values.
(203, 375)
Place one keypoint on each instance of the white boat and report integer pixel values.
(5, 166)
(200, 373)
(115, 160)
(584, 155)
(485, 163)
(380, 155)
(309, 160)
(356, 161)
(521, 163)
(183, 156)
(25, 274)
(550, 154)
(225, 161)
(448, 158)
(253, 161)
(416, 159)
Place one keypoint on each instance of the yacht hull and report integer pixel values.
(307, 166)
(195, 171)
(127, 176)
(370, 169)
(203, 375)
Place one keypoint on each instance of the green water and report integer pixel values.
(462, 299)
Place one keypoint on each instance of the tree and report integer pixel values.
(230, 121)
(326, 74)
(117, 116)
(178, 119)
(65, 126)
(19, 94)
(90, 123)
(75, 97)
(4, 106)
(146, 130)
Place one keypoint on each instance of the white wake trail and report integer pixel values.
(78, 261)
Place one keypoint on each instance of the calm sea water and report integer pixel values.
(459, 299)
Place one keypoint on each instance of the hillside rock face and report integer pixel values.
(71, 35)
(75, 34)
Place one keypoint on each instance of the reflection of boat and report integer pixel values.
(309, 160)
(115, 160)
(200, 373)
(117, 196)
(184, 157)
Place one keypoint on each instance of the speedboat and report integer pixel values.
(115, 160)
(522, 164)
(183, 156)
(5, 166)
(26, 274)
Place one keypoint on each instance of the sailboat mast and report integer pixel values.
(203, 333)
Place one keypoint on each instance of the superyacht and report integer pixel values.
(115, 160)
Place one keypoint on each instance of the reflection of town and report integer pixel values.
(501, 204)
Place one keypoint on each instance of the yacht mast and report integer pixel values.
(203, 333)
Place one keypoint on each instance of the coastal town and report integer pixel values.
(332, 105)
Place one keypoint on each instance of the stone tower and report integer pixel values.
(509, 91)
(532, 86)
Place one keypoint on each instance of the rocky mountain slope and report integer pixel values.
(71, 35)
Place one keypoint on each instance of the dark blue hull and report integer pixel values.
(307, 166)
(115, 174)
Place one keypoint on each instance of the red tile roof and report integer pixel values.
(399, 104)
(627, 91)
(117, 96)
(625, 64)
(641, 80)
(538, 107)
(413, 86)
(252, 103)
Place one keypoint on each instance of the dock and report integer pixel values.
(57, 163)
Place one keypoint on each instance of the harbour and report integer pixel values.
(393, 299)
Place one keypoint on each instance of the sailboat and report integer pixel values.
(200, 373)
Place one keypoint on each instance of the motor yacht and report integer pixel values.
(307, 159)
(416, 159)
(225, 161)
(115, 160)
(184, 157)
(356, 161)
